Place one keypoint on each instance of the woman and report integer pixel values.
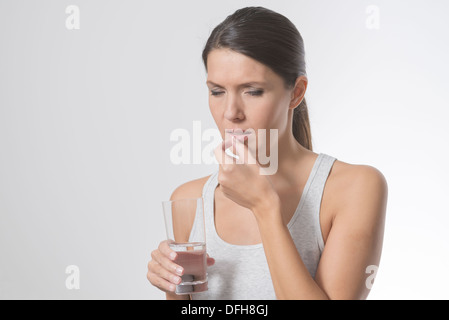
(311, 229)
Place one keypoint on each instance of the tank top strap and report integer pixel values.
(313, 197)
(322, 170)
(208, 198)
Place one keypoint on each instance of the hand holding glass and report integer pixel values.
(184, 224)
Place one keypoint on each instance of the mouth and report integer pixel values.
(239, 132)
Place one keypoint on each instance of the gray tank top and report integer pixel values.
(241, 271)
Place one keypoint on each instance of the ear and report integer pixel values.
(298, 92)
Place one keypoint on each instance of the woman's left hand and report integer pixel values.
(241, 180)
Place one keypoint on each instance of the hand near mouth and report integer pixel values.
(240, 180)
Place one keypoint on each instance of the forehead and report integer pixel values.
(228, 66)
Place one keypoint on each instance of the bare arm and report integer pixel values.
(353, 244)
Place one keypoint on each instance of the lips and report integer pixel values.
(239, 132)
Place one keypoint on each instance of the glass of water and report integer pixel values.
(184, 225)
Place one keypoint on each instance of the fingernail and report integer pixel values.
(179, 270)
(176, 279)
(173, 255)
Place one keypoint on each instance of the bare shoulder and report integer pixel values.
(190, 189)
(358, 187)
(356, 175)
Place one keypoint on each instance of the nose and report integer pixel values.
(233, 109)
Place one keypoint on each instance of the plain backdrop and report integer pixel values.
(86, 117)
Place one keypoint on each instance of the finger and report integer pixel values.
(241, 150)
(244, 151)
(239, 159)
(165, 249)
(210, 261)
(162, 272)
(160, 283)
(167, 263)
(220, 154)
(226, 144)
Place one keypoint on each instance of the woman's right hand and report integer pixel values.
(163, 272)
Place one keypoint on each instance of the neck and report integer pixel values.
(288, 154)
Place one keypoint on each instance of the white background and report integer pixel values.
(86, 117)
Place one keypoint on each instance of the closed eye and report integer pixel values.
(256, 92)
(216, 93)
(252, 93)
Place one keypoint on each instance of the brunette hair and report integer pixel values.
(273, 40)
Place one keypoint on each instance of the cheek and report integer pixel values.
(215, 112)
(271, 115)
(281, 110)
(218, 118)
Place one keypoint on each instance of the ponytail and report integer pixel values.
(301, 125)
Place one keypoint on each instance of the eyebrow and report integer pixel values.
(243, 85)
